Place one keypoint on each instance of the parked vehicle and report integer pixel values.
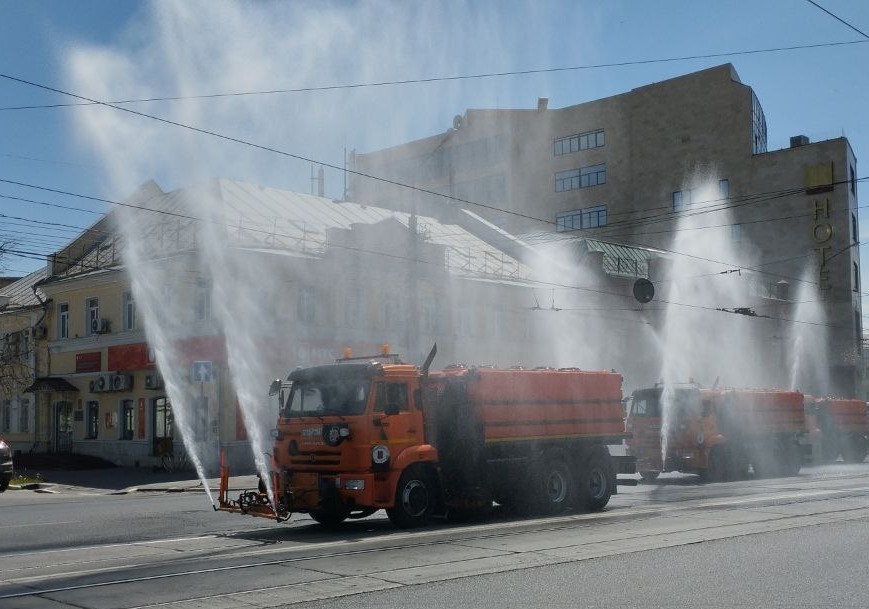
(837, 427)
(5, 465)
(374, 433)
(716, 433)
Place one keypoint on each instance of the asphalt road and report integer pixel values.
(786, 542)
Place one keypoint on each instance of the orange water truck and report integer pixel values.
(370, 433)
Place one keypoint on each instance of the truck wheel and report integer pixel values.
(596, 482)
(854, 450)
(4, 484)
(716, 470)
(556, 489)
(649, 476)
(793, 459)
(330, 516)
(415, 498)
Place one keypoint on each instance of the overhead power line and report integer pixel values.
(839, 19)
(458, 77)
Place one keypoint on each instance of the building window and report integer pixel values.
(681, 199)
(594, 217)
(307, 310)
(6, 422)
(591, 217)
(93, 316)
(24, 416)
(63, 320)
(24, 348)
(736, 233)
(129, 313)
(128, 419)
(724, 188)
(580, 141)
(854, 233)
(585, 177)
(202, 301)
(758, 126)
(856, 278)
(93, 420)
(858, 331)
(853, 180)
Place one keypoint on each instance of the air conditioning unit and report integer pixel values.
(121, 382)
(102, 383)
(153, 381)
(101, 326)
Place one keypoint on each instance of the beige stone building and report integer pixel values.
(647, 168)
(313, 276)
(24, 413)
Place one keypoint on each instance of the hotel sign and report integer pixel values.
(819, 179)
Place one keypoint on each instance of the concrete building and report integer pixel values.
(644, 167)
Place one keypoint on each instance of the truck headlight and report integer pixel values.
(354, 485)
(380, 454)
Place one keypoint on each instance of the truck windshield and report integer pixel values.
(336, 398)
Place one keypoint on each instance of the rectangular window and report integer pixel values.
(93, 420)
(724, 188)
(579, 141)
(24, 416)
(6, 422)
(681, 199)
(129, 312)
(128, 419)
(854, 234)
(63, 320)
(736, 233)
(307, 309)
(391, 395)
(585, 177)
(853, 180)
(93, 316)
(856, 278)
(594, 217)
(591, 217)
(202, 301)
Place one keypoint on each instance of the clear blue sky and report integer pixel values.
(118, 50)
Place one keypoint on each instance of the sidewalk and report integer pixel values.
(120, 480)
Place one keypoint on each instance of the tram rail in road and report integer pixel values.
(274, 569)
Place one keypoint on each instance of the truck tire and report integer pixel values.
(716, 469)
(596, 481)
(415, 498)
(793, 459)
(330, 516)
(4, 484)
(649, 476)
(854, 450)
(556, 490)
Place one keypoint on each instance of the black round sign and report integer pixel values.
(644, 291)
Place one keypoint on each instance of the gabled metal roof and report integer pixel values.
(20, 293)
(263, 218)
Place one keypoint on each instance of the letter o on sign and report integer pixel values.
(822, 232)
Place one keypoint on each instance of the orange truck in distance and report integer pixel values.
(717, 433)
(836, 427)
(373, 433)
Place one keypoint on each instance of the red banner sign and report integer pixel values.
(124, 358)
(89, 362)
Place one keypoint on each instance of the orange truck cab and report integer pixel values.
(837, 426)
(374, 433)
(716, 433)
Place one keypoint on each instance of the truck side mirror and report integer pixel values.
(275, 387)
